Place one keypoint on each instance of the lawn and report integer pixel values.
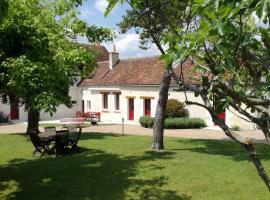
(116, 167)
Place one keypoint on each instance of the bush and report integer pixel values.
(174, 123)
(146, 121)
(175, 109)
(184, 123)
(3, 117)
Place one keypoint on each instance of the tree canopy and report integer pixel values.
(39, 60)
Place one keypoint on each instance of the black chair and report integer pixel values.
(74, 136)
(62, 142)
(41, 147)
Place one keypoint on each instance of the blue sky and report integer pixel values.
(127, 45)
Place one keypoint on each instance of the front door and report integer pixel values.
(131, 109)
(14, 110)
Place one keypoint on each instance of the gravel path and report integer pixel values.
(205, 133)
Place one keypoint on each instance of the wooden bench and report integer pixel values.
(92, 117)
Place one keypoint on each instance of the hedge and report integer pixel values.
(184, 123)
(174, 123)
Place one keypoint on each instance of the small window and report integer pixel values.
(105, 101)
(117, 101)
(147, 107)
(73, 102)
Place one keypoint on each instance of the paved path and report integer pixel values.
(137, 130)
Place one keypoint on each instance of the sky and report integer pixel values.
(127, 45)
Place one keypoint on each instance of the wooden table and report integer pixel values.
(62, 138)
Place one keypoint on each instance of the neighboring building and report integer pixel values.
(127, 89)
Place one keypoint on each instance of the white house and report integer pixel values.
(126, 89)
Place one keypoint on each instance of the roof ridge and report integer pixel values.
(140, 58)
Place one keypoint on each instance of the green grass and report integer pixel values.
(121, 167)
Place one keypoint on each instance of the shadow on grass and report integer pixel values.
(225, 148)
(97, 135)
(93, 174)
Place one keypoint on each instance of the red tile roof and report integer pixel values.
(137, 71)
(103, 54)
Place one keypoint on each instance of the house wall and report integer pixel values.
(111, 115)
(234, 118)
(94, 95)
(62, 111)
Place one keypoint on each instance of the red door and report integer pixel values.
(147, 107)
(221, 116)
(131, 109)
(14, 110)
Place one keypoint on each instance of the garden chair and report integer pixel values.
(61, 142)
(74, 136)
(41, 147)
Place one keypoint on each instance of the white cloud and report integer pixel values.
(127, 45)
(86, 14)
(101, 5)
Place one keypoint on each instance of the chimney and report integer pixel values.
(113, 58)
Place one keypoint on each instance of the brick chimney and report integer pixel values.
(113, 58)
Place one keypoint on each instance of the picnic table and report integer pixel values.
(67, 138)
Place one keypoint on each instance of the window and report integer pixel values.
(117, 101)
(147, 107)
(83, 106)
(105, 101)
(73, 102)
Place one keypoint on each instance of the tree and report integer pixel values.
(230, 51)
(148, 19)
(229, 47)
(38, 60)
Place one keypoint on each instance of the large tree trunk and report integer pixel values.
(158, 127)
(33, 119)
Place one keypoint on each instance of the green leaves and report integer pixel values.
(38, 61)
(96, 34)
(112, 4)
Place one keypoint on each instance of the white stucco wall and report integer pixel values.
(111, 115)
(234, 118)
(94, 95)
(62, 111)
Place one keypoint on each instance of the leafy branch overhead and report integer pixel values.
(39, 59)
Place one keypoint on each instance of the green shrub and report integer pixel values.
(184, 123)
(146, 121)
(3, 117)
(175, 109)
